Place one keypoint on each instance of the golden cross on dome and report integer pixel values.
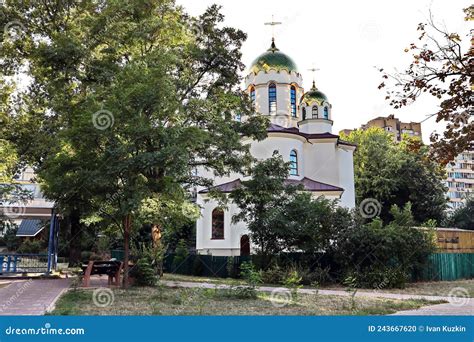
(273, 23)
(313, 70)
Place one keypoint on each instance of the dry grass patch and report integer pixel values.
(186, 301)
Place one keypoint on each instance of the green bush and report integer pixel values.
(379, 278)
(144, 273)
(238, 292)
(378, 254)
(293, 283)
(276, 274)
(31, 246)
(251, 276)
(317, 276)
(273, 275)
(12, 242)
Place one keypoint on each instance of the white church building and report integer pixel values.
(301, 131)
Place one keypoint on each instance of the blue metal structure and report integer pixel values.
(12, 263)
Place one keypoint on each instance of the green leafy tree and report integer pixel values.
(308, 224)
(463, 217)
(261, 201)
(397, 173)
(281, 217)
(126, 100)
(421, 182)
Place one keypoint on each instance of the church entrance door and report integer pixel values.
(244, 245)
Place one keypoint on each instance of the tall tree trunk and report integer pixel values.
(75, 238)
(126, 241)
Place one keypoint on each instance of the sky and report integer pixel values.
(346, 40)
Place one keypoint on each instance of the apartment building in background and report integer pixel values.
(460, 181)
(31, 216)
(393, 126)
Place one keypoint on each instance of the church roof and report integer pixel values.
(273, 128)
(273, 59)
(308, 184)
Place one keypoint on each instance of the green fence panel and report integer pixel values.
(441, 266)
(117, 254)
(449, 266)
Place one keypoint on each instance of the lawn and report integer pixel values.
(196, 301)
(433, 288)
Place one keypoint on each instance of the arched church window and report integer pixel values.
(252, 95)
(314, 112)
(218, 224)
(293, 163)
(326, 112)
(293, 101)
(304, 113)
(272, 98)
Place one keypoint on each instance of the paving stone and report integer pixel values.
(30, 297)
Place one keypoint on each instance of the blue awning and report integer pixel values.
(30, 227)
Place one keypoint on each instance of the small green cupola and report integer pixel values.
(314, 95)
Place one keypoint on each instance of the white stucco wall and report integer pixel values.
(230, 245)
(315, 126)
(346, 175)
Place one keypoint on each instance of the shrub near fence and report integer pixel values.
(223, 266)
(441, 266)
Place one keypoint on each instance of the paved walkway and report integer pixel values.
(31, 296)
(448, 309)
(464, 307)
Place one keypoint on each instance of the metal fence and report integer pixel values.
(23, 263)
(441, 266)
(449, 266)
(204, 265)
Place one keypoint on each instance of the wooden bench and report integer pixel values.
(111, 268)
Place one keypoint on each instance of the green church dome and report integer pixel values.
(273, 59)
(314, 95)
